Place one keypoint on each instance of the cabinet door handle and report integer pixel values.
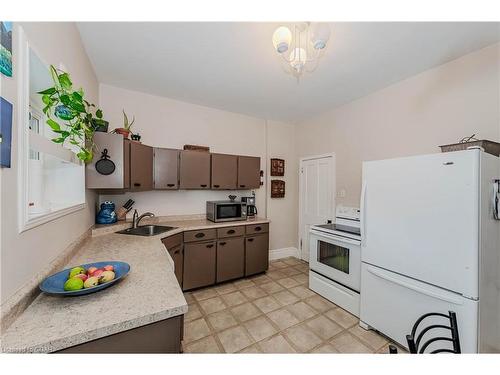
(199, 235)
(203, 185)
(170, 185)
(210, 246)
(222, 243)
(250, 239)
(216, 186)
(242, 186)
(258, 229)
(137, 184)
(230, 231)
(177, 251)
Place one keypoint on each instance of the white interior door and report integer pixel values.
(317, 191)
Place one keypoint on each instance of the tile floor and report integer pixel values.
(274, 312)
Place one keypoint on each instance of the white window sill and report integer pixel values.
(45, 218)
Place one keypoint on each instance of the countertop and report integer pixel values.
(148, 294)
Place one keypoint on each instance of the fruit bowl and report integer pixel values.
(54, 284)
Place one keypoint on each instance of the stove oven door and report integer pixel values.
(337, 258)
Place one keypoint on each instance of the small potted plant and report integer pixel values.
(125, 131)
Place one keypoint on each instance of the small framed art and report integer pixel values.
(277, 167)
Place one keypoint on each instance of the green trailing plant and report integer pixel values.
(70, 115)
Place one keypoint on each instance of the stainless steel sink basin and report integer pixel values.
(146, 230)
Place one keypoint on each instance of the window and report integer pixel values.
(51, 178)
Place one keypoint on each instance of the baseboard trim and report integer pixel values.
(284, 252)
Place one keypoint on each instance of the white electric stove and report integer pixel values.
(335, 259)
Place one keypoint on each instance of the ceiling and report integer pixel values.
(234, 67)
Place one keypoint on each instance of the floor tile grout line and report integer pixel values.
(250, 282)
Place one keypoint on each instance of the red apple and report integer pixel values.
(97, 273)
(81, 276)
(91, 270)
(109, 267)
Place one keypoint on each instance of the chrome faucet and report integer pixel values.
(136, 218)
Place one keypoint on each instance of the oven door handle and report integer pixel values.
(362, 218)
(331, 238)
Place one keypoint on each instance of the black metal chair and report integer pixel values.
(415, 341)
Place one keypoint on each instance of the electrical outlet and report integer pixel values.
(341, 193)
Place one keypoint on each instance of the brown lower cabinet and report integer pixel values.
(160, 337)
(199, 264)
(177, 255)
(256, 254)
(207, 256)
(230, 258)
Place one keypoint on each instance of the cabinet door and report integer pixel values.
(199, 264)
(177, 256)
(141, 167)
(256, 254)
(194, 170)
(166, 169)
(230, 259)
(224, 171)
(248, 172)
(118, 151)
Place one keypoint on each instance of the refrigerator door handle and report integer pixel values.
(362, 217)
(416, 288)
(496, 199)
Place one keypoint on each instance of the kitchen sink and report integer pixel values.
(146, 230)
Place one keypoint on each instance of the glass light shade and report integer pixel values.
(298, 58)
(282, 38)
(320, 33)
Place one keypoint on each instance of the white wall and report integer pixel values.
(164, 122)
(281, 145)
(24, 255)
(414, 116)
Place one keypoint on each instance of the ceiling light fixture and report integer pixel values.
(307, 44)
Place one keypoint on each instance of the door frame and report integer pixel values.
(334, 193)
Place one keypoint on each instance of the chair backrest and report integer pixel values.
(415, 344)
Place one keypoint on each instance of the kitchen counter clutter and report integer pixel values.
(149, 294)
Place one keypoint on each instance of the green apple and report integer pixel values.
(76, 271)
(73, 284)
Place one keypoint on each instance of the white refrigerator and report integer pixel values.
(431, 243)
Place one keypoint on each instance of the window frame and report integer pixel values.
(23, 109)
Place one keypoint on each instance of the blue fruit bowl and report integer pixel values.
(54, 284)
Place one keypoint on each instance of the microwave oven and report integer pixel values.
(219, 211)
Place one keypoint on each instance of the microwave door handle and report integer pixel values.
(362, 218)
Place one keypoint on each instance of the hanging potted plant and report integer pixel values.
(70, 116)
(125, 131)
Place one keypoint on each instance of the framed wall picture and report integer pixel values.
(6, 48)
(277, 167)
(277, 189)
(5, 132)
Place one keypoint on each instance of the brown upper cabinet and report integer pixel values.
(141, 167)
(224, 171)
(166, 169)
(248, 172)
(194, 170)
